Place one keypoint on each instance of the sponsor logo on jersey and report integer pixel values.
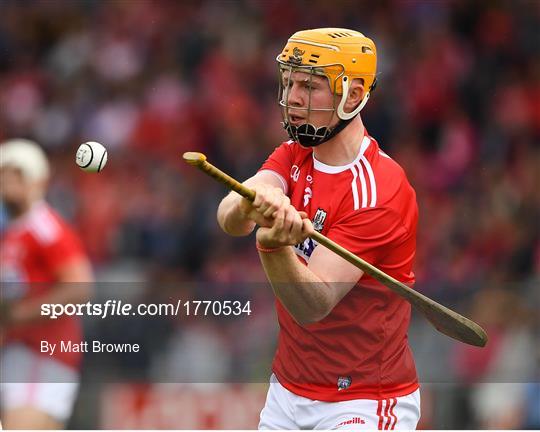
(306, 248)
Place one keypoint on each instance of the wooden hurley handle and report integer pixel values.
(442, 318)
(199, 160)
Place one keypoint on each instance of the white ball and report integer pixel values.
(91, 156)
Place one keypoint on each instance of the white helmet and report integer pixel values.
(27, 156)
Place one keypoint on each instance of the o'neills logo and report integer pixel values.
(354, 420)
(297, 54)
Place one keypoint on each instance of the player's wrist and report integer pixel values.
(267, 249)
(267, 244)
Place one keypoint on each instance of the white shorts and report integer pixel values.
(31, 379)
(285, 410)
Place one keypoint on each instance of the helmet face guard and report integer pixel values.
(340, 55)
(306, 134)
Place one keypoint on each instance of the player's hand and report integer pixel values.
(268, 200)
(289, 227)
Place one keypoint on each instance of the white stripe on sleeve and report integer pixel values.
(354, 188)
(371, 181)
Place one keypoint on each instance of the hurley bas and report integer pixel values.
(84, 347)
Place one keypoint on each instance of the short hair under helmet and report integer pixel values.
(341, 55)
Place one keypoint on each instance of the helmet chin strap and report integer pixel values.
(308, 135)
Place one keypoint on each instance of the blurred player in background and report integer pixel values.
(343, 360)
(41, 261)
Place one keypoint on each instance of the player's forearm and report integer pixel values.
(231, 219)
(305, 296)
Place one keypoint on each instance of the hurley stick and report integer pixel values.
(443, 319)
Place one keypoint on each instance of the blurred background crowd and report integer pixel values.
(457, 105)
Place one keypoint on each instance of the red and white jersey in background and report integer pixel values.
(32, 250)
(360, 350)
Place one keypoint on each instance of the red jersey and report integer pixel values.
(360, 350)
(32, 249)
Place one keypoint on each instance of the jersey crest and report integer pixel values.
(318, 219)
(344, 382)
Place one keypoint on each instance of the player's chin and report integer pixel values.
(313, 129)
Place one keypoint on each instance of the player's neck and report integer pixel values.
(344, 147)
